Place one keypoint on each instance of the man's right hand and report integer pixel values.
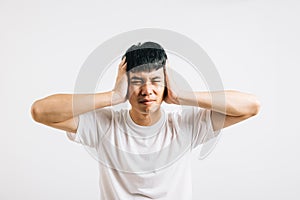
(121, 85)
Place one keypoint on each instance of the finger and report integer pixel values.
(123, 68)
(170, 81)
(169, 72)
(122, 62)
(122, 65)
(167, 63)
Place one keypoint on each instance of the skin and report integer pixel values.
(57, 110)
(146, 95)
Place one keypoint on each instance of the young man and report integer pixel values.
(144, 152)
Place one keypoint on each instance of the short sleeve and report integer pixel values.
(209, 132)
(91, 127)
(200, 125)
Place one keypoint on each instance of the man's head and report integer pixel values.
(146, 76)
(146, 56)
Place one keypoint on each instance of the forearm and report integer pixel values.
(61, 107)
(232, 103)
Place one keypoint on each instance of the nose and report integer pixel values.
(147, 89)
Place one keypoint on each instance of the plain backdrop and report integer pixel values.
(254, 45)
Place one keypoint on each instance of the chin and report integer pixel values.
(150, 109)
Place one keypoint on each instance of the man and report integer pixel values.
(144, 152)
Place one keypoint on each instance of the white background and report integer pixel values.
(253, 44)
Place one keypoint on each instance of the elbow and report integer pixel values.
(36, 112)
(254, 108)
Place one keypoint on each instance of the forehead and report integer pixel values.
(151, 74)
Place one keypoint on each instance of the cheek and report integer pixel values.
(160, 91)
(132, 92)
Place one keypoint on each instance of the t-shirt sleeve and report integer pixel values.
(199, 124)
(207, 133)
(91, 127)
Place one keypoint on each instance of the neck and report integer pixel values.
(145, 119)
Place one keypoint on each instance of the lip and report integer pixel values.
(146, 101)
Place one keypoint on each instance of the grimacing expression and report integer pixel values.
(146, 90)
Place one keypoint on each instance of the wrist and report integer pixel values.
(187, 98)
(116, 98)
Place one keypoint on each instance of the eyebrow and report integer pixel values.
(156, 77)
(139, 78)
(135, 77)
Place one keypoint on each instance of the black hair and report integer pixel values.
(145, 56)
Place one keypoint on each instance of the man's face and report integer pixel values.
(146, 89)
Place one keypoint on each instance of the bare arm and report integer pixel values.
(58, 108)
(61, 110)
(228, 106)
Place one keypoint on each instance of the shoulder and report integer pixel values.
(111, 114)
(188, 115)
(184, 111)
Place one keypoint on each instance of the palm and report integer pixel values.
(172, 97)
(121, 85)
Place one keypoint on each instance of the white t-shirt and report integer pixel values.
(144, 162)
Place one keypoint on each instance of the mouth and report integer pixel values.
(146, 101)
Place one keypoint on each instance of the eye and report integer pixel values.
(136, 82)
(157, 81)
